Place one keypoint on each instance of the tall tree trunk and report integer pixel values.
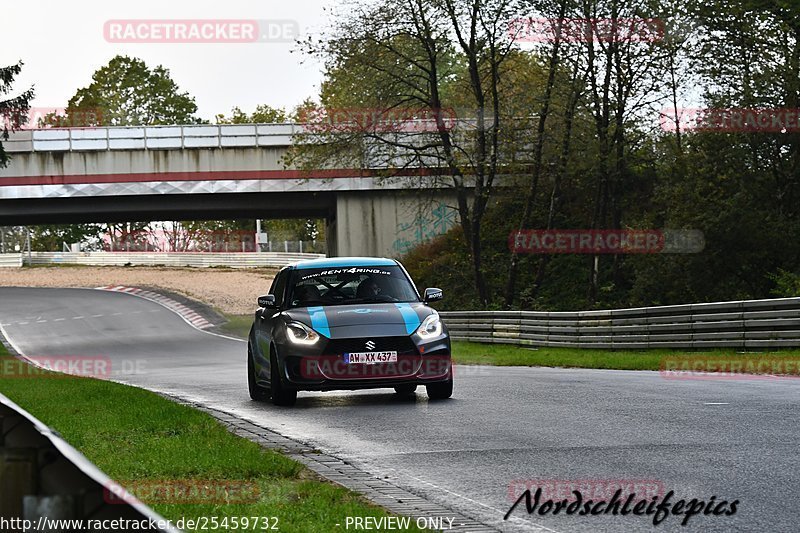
(530, 198)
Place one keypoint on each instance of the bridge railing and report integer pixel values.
(753, 324)
(151, 137)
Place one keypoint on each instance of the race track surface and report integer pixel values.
(733, 439)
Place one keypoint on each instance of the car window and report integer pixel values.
(350, 285)
(279, 286)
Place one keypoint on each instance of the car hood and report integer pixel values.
(347, 321)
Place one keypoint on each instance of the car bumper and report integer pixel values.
(323, 372)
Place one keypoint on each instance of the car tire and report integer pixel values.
(440, 391)
(281, 395)
(405, 390)
(257, 392)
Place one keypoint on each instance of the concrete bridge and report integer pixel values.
(207, 172)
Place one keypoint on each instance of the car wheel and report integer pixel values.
(257, 392)
(281, 395)
(440, 391)
(405, 390)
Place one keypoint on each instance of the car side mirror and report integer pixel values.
(433, 295)
(267, 302)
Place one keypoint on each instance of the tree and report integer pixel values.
(417, 59)
(14, 111)
(263, 114)
(128, 93)
(51, 238)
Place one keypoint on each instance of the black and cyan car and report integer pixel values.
(347, 324)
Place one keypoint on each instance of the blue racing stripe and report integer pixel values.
(319, 322)
(409, 316)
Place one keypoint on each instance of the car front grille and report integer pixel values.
(401, 345)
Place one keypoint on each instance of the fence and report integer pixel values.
(235, 260)
(10, 260)
(751, 324)
(44, 477)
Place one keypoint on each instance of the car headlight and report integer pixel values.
(431, 327)
(299, 333)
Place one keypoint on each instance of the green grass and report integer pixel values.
(137, 436)
(237, 325)
(471, 353)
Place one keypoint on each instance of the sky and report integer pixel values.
(62, 43)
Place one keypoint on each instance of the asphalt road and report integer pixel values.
(733, 439)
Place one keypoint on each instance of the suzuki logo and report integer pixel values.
(370, 345)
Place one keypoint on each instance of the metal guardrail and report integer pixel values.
(235, 260)
(10, 260)
(752, 324)
(43, 477)
(151, 137)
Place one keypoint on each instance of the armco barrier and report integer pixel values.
(43, 477)
(10, 260)
(753, 324)
(235, 260)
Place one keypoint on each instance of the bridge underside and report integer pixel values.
(358, 223)
(32, 211)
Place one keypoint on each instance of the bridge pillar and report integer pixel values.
(388, 223)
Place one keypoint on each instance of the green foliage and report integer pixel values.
(52, 238)
(13, 111)
(263, 114)
(294, 229)
(787, 284)
(126, 92)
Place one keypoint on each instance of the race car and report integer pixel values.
(347, 324)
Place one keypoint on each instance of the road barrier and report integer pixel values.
(10, 260)
(235, 260)
(753, 324)
(151, 137)
(43, 478)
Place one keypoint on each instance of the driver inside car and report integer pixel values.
(307, 293)
(368, 288)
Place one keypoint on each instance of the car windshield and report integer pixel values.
(350, 285)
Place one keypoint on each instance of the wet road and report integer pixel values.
(503, 429)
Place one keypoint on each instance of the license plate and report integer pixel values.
(370, 358)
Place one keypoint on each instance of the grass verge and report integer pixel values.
(144, 440)
(237, 325)
(506, 355)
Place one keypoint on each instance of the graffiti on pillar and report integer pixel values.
(430, 222)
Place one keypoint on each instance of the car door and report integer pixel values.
(266, 321)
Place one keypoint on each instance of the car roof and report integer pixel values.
(339, 262)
